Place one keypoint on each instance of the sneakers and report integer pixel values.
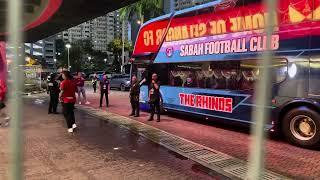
(87, 102)
(70, 130)
(74, 126)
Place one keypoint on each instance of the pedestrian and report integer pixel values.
(68, 98)
(4, 119)
(94, 82)
(81, 89)
(53, 90)
(134, 95)
(104, 86)
(154, 97)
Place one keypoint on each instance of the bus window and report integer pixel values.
(250, 70)
(184, 75)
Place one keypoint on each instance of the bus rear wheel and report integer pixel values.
(301, 126)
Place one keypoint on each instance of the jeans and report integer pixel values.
(94, 85)
(102, 93)
(135, 106)
(81, 90)
(53, 104)
(155, 108)
(69, 114)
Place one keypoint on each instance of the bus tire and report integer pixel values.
(301, 127)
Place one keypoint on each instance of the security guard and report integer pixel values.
(154, 97)
(134, 95)
(53, 90)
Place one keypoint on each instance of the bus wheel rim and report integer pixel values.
(303, 127)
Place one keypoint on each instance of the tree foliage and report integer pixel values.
(115, 47)
(80, 52)
(143, 9)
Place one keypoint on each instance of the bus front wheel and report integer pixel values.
(301, 126)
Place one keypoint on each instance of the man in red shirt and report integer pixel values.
(68, 99)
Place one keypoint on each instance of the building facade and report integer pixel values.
(100, 31)
(44, 49)
(175, 5)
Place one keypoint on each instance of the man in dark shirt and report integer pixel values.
(134, 95)
(104, 89)
(53, 90)
(154, 97)
(94, 82)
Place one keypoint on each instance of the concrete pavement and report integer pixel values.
(98, 150)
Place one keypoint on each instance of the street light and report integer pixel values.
(89, 58)
(55, 64)
(68, 46)
(105, 60)
(138, 22)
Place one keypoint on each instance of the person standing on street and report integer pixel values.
(154, 97)
(104, 89)
(53, 90)
(94, 82)
(81, 88)
(68, 98)
(134, 96)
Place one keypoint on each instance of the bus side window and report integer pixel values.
(219, 80)
(175, 78)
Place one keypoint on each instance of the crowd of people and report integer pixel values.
(64, 87)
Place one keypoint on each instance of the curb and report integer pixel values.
(217, 161)
(33, 92)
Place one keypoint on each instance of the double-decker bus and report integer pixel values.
(207, 58)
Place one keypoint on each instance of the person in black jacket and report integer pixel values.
(154, 97)
(104, 89)
(134, 95)
(53, 90)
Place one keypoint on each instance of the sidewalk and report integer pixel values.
(98, 150)
(281, 157)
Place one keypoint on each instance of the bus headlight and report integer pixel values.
(292, 71)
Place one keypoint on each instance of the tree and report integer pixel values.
(115, 47)
(142, 10)
(79, 52)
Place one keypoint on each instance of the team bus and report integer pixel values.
(207, 58)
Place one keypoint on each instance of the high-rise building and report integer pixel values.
(100, 31)
(170, 5)
(44, 49)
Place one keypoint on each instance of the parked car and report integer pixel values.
(99, 74)
(74, 74)
(120, 81)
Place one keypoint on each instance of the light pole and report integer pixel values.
(105, 60)
(55, 64)
(122, 65)
(68, 46)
